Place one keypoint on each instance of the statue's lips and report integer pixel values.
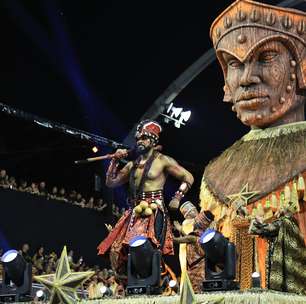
(251, 102)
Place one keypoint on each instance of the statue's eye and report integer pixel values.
(234, 63)
(267, 56)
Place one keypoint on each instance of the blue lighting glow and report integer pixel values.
(207, 235)
(137, 241)
(9, 256)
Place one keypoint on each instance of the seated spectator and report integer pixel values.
(78, 199)
(72, 264)
(12, 183)
(62, 195)
(112, 284)
(24, 251)
(54, 192)
(72, 196)
(51, 263)
(42, 188)
(34, 188)
(23, 187)
(4, 179)
(117, 212)
(35, 271)
(83, 203)
(99, 205)
(39, 260)
(93, 289)
(83, 267)
(103, 276)
(90, 203)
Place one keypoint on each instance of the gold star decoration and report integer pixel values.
(243, 196)
(63, 283)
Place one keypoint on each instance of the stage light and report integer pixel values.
(105, 291)
(144, 263)
(220, 261)
(95, 149)
(178, 115)
(255, 280)
(173, 285)
(41, 295)
(141, 251)
(17, 271)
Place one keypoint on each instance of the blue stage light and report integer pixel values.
(144, 263)
(220, 261)
(19, 272)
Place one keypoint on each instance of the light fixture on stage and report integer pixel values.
(106, 291)
(41, 295)
(19, 272)
(220, 261)
(173, 285)
(177, 115)
(144, 263)
(255, 280)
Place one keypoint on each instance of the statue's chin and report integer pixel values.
(260, 120)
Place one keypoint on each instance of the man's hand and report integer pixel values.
(108, 227)
(174, 204)
(177, 226)
(121, 153)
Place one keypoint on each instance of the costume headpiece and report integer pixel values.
(149, 128)
(247, 24)
(186, 208)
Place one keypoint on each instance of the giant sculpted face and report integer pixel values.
(262, 86)
(262, 51)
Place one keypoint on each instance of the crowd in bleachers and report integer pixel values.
(56, 193)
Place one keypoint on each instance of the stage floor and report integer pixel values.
(237, 297)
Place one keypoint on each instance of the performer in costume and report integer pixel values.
(262, 52)
(148, 214)
(191, 252)
(286, 255)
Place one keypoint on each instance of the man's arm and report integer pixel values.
(115, 178)
(189, 239)
(174, 169)
(180, 173)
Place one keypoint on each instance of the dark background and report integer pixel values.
(52, 224)
(98, 66)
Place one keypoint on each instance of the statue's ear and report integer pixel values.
(227, 94)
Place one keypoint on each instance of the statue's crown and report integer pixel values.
(246, 13)
(245, 24)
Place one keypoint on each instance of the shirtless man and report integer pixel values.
(148, 215)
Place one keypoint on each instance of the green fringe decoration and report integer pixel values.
(251, 296)
(228, 297)
(256, 134)
(264, 163)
